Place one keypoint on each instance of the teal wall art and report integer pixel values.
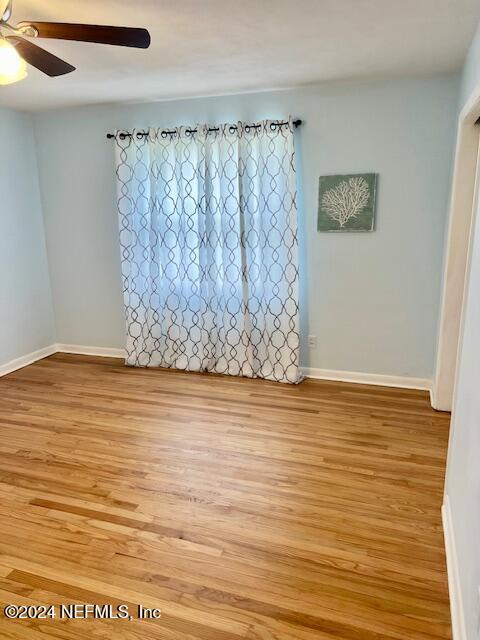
(347, 202)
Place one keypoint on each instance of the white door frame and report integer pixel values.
(457, 265)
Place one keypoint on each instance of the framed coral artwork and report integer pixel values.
(347, 202)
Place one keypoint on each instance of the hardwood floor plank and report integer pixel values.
(242, 508)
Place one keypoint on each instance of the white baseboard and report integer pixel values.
(29, 358)
(456, 604)
(105, 352)
(319, 374)
(437, 405)
(403, 382)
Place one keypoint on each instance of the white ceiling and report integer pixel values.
(209, 47)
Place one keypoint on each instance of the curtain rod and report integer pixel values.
(143, 134)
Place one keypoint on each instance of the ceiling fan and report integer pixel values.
(16, 51)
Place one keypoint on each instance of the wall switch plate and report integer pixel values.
(312, 342)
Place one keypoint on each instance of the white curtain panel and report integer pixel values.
(208, 237)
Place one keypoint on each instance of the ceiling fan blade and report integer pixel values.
(39, 58)
(7, 12)
(102, 34)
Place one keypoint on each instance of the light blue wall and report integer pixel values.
(463, 470)
(26, 315)
(463, 474)
(372, 299)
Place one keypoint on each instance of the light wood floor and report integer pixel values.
(241, 508)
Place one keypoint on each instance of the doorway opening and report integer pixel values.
(461, 216)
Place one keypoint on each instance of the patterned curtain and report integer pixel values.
(208, 236)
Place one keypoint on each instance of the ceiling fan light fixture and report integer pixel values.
(16, 51)
(12, 67)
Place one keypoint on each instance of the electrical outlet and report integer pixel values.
(312, 342)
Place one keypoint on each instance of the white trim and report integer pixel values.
(319, 374)
(456, 260)
(29, 358)
(105, 352)
(433, 401)
(456, 604)
(404, 382)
